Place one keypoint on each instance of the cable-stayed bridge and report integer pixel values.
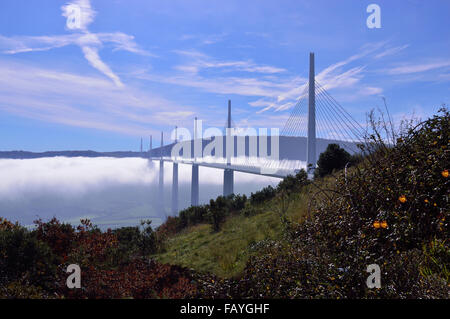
(316, 121)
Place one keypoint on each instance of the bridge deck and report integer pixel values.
(271, 172)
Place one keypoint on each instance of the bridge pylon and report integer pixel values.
(150, 149)
(228, 173)
(311, 139)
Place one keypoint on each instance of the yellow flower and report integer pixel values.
(445, 173)
(376, 224)
(402, 199)
(384, 224)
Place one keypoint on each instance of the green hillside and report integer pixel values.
(226, 252)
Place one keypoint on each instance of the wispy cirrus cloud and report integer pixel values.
(91, 54)
(84, 101)
(90, 43)
(204, 39)
(391, 51)
(275, 87)
(337, 75)
(417, 68)
(21, 44)
(201, 61)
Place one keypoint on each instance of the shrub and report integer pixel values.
(23, 258)
(30, 269)
(333, 158)
(147, 239)
(263, 195)
(59, 237)
(138, 279)
(217, 212)
(291, 184)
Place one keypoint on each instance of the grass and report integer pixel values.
(226, 252)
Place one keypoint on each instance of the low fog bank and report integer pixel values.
(112, 192)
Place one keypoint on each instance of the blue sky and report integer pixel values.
(137, 67)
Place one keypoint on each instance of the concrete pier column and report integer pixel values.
(161, 177)
(194, 185)
(175, 180)
(175, 189)
(228, 182)
(161, 186)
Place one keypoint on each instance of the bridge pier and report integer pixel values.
(175, 189)
(161, 186)
(194, 185)
(161, 178)
(228, 182)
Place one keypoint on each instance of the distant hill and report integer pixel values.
(26, 155)
(291, 148)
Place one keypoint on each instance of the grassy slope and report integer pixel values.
(225, 253)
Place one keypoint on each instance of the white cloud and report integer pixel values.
(260, 102)
(204, 39)
(391, 51)
(335, 76)
(417, 68)
(203, 61)
(248, 86)
(83, 101)
(22, 44)
(90, 43)
(91, 54)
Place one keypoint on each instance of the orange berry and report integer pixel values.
(402, 199)
(384, 224)
(445, 173)
(376, 224)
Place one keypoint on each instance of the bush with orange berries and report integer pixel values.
(392, 210)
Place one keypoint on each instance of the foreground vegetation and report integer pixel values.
(302, 239)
